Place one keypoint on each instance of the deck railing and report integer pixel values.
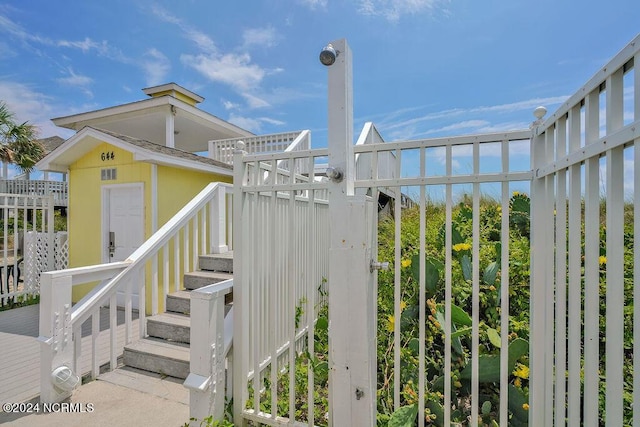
(58, 189)
(222, 150)
(198, 228)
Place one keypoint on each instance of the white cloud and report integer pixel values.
(6, 52)
(393, 10)
(272, 121)
(78, 81)
(314, 4)
(262, 37)
(503, 127)
(102, 48)
(529, 104)
(84, 45)
(254, 101)
(228, 105)
(235, 70)
(512, 107)
(30, 105)
(253, 124)
(247, 123)
(156, 66)
(201, 40)
(467, 124)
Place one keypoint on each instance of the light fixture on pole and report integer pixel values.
(328, 55)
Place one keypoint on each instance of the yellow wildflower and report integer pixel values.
(461, 247)
(405, 263)
(602, 260)
(499, 208)
(517, 382)
(516, 193)
(403, 305)
(525, 406)
(521, 371)
(392, 324)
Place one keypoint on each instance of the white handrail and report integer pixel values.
(203, 228)
(81, 312)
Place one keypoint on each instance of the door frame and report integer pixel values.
(105, 189)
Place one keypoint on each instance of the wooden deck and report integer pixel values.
(20, 350)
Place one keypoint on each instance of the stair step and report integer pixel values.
(156, 355)
(198, 279)
(170, 326)
(217, 262)
(179, 302)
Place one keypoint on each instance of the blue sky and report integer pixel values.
(422, 68)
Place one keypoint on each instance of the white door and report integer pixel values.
(123, 227)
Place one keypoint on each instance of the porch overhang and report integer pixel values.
(146, 119)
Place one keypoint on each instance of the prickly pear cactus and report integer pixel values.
(519, 216)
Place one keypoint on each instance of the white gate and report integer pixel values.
(455, 349)
(280, 273)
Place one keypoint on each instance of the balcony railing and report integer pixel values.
(58, 189)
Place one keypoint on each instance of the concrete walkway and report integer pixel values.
(122, 397)
(105, 403)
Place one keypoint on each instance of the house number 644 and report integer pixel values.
(107, 156)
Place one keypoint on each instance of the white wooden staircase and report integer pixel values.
(166, 348)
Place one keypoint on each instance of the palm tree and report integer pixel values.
(18, 144)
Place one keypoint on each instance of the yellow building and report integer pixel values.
(131, 168)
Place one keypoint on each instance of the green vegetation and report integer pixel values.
(489, 314)
(490, 274)
(20, 301)
(208, 422)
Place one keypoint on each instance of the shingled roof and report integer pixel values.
(89, 137)
(51, 143)
(174, 152)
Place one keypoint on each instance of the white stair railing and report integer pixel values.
(172, 251)
(211, 338)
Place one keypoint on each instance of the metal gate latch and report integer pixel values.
(376, 265)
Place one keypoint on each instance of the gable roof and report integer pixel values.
(88, 138)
